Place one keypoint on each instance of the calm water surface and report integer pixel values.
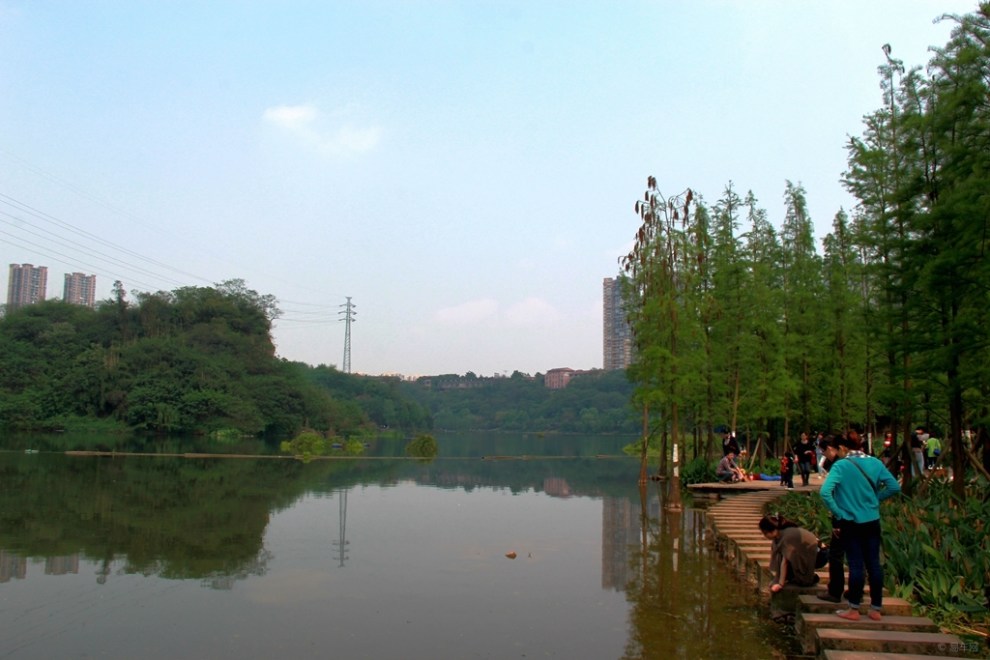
(152, 557)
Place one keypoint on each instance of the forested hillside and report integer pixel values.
(194, 360)
(598, 402)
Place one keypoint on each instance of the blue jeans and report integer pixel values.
(862, 543)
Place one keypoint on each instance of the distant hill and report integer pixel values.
(195, 360)
(593, 402)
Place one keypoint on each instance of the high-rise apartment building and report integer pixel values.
(617, 335)
(26, 286)
(80, 289)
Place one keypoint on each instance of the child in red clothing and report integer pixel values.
(787, 469)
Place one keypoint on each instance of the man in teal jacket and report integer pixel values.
(853, 492)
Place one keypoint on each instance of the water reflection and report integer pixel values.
(682, 604)
(371, 545)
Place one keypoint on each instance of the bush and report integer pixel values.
(424, 446)
(307, 444)
(698, 471)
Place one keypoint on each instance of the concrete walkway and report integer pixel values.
(899, 635)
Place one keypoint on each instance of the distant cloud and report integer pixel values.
(305, 123)
(469, 313)
(532, 312)
(291, 117)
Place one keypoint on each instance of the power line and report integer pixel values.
(194, 246)
(58, 242)
(41, 215)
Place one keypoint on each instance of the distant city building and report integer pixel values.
(80, 289)
(557, 379)
(26, 286)
(617, 340)
(12, 565)
(62, 565)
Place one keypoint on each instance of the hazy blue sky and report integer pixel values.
(465, 171)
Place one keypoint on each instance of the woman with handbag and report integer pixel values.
(853, 491)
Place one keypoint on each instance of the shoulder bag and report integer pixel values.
(865, 476)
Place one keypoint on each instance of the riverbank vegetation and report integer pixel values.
(197, 360)
(741, 324)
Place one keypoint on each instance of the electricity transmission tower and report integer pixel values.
(348, 317)
(340, 546)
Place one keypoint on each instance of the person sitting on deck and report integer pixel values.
(792, 553)
(727, 469)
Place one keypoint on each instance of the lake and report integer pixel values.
(505, 546)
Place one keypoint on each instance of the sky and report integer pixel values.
(465, 172)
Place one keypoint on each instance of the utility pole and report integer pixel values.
(348, 318)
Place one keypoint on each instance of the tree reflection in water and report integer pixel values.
(685, 602)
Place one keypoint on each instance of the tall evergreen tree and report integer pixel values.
(803, 311)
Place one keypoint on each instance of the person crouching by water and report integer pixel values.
(852, 492)
(792, 552)
(727, 469)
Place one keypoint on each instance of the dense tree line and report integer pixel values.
(193, 360)
(597, 402)
(741, 324)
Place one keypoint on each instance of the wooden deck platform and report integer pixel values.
(723, 488)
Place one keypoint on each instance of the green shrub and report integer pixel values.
(698, 471)
(307, 444)
(423, 446)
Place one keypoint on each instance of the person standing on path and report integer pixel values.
(820, 455)
(918, 440)
(853, 491)
(934, 449)
(787, 469)
(836, 550)
(805, 455)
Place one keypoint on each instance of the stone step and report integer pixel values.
(742, 537)
(751, 509)
(751, 545)
(741, 529)
(891, 606)
(887, 641)
(745, 529)
(807, 623)
(788, 599)
(833, 654)
(748, 531)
